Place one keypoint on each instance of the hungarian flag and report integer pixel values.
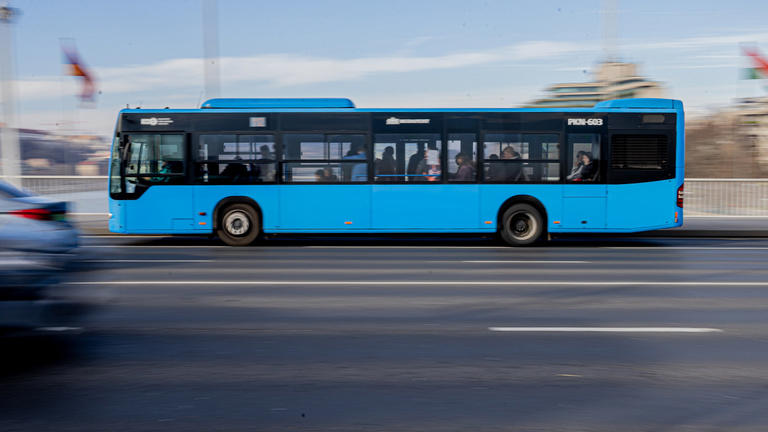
(75, 67)
(760, 64)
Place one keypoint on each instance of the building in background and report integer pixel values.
(50, 153)
(612, 80)
(729, 143)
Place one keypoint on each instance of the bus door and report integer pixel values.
(585, 192)
(409, 193)
(158, 197)
(325, 180)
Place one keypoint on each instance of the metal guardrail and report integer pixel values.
(61, 185)
(703, 197)
(726, 197)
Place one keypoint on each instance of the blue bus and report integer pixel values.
(238, 168)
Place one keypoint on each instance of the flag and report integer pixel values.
(75, 67)
(760, 64)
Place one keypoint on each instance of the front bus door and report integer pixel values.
(158, 196)
(584, 194)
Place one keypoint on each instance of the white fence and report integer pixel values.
(715, 197)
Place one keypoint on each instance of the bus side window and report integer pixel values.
(584, 154)
(235, 159)
(411, 157)
(319, 158)
(462, 157)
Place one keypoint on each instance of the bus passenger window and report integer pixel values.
(235, 159)
(462, 157)
(521, 158)
(318, 158)
(407, 157)
(584, 152)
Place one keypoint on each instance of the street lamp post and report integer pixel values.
(9, 138)
(211, 48)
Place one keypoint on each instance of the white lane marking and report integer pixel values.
(149, 261)
(60, 329)
(279, 247)
(609, 329)
(18, 262)
(406, 247)
(118, 246)
(686, 247)
(125, 236)
(520, 262)
(438, 283)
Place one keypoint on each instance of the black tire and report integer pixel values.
(521, 225)
(239, 225)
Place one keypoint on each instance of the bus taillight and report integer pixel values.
(680, 194)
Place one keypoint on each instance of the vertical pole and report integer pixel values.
(9, 138)
(211, 48)
(610, 31)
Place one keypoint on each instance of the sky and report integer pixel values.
(414, 53)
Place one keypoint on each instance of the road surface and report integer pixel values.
(407, 334)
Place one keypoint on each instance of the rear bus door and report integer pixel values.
(585, 192)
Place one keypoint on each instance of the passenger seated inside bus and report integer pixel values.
(326, 175)
(413, 163)
(585, 171)
(465, 170)
(359, 171)
(514, 171)
(428, 168)
(495, 171)
(236, 172)
(168, 167)
(590, 171)
(386, 167)
(265, 154)
(578, 165)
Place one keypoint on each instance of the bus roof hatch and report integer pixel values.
(245, 103)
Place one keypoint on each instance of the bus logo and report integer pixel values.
(585, 122)
(155, 121)
(399, 121)
(257, 122)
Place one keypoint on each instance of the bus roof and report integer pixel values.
(234, 103)
(346, 105)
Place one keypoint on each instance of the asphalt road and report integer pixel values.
(402, 334)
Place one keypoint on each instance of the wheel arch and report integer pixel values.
(522, 199)
(236, 200)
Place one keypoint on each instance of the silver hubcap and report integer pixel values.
(522, 225)
(237, 222)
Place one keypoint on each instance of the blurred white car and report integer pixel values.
(34, 224)
(35, 240)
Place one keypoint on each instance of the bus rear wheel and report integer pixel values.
(239, 225)
(521, 225)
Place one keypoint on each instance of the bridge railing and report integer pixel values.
(703, 197)
(726, 197)
(61, 185)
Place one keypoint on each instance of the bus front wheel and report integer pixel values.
(239, 225)
(521, 225)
